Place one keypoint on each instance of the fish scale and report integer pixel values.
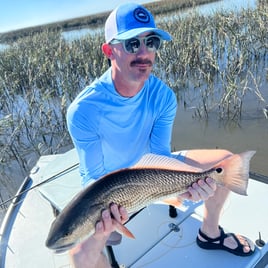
(138, 193)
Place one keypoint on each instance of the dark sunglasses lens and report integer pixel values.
(153, 43)
(132, 45)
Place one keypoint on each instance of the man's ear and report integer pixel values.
(107, 50)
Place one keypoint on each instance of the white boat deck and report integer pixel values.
(24, 230)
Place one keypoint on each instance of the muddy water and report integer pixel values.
(251, 133)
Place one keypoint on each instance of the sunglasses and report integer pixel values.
(133, 45)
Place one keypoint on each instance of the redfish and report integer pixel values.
(153, 178)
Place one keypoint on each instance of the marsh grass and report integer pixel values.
(213, 64)
(219, 59)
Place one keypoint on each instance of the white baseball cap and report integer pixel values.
(130, 20)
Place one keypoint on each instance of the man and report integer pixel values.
(129, 112)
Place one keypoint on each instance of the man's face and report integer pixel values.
(134, 66)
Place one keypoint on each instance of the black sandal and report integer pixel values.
(217, 243)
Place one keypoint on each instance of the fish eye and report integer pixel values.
(219, 170)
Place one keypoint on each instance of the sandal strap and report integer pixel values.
(220, 238)
(218, 243)
(240, 247)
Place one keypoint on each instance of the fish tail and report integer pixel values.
(236, 171)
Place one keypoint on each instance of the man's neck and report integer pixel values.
(128, 88)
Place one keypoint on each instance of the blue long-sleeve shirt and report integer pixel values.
(112, 132)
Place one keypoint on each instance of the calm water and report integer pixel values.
(228, 5)
(249, 134)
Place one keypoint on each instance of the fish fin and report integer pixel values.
(123, 229)
(236, 171)
(164, 162)
(173, 201)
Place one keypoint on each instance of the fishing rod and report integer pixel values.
(51, 178)
(258, 177)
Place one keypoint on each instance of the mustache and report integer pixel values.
(141, 61)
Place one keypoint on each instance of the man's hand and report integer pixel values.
(107, 225)
(200, 190)
(89, 253)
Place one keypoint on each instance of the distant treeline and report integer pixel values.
(97, 20)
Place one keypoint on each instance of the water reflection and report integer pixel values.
(251, 133)
(191, 133)
(3, 46)
(76, 34)
(227, 5)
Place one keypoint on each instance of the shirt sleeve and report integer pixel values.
(160, 142)
(83, 130)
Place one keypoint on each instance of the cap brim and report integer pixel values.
(135, 32)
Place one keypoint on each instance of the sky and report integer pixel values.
(17, 14)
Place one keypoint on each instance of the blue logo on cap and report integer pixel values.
(141, 15)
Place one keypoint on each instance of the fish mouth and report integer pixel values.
(62, 249)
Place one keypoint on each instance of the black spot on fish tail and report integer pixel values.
(219, 170)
